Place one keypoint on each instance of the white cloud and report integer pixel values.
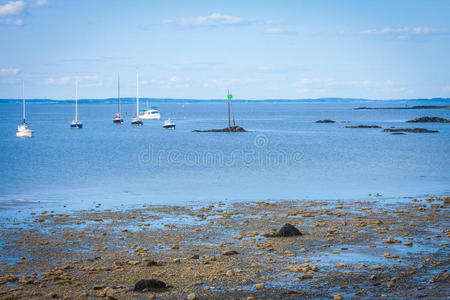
(307, 81)
(9, 21)
(385, 31)
(9, 71)
(175, 79)
(39, 3)
(12, 8)
(93, 84)
(58, 81)
(277, 30)
(214, 19)
(404, 32)
(302, 90)
(446, 89)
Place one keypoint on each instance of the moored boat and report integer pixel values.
(24, 130)
(169, 124)
(77, 124)
(117, 118)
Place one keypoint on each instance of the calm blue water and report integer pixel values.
(285, 156)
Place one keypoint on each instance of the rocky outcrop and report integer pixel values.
(325, 121)
(363, 126)
(226, 129)
(428, 120)
(285, 231)
(154, 285)
(411, 130)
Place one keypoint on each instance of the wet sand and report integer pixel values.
(348, 249)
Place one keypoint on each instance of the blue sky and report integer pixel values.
(197, 49)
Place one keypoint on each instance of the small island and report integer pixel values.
(363, 126)
(428, 120)
(410, 130)
(230, 128)
(226, 129)
(325, 121)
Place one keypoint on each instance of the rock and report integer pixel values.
(428, 120)
(153, 263)
(52, 295)
(133, 262)
(338, 297)
(259, 286)
(191, 296)
(150, 285)
(229, 252)
(342, 265)
(285, 231)
(230, 273)
(363, 126)
(195, 256)
(226, 129)
(99, 287)
(411, 130)
(325, 121)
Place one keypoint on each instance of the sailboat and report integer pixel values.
(136, 121)
(76, 123)
(117, 118)
(23, 130)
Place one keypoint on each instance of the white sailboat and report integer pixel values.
(117, 118)
(76, 123)
(24, 130)
(136, 121)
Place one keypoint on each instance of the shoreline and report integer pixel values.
(366, 248)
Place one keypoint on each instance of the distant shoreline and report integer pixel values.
(412, 107)
(177, 100)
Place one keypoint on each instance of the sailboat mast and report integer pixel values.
(137, 95)
(229, 121)
(76, 100)
(118, 94)
(23, 100)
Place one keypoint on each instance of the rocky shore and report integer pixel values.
(247, 250)
(410, 130)
(428, 120)
(363, 126)
(325, 121)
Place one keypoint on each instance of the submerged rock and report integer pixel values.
(226, 129)
(325, 121)
(428, 120)
(150, 285)
(412, 130)
(285, 231)
(363, 126)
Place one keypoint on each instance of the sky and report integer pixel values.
(291, 49)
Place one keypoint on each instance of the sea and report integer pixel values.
(285, 155)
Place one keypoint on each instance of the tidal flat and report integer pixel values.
(347, 250)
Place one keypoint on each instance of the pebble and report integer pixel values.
(338, 297)
(191, 296)
(259, 286)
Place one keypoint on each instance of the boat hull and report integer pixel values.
(169, 127)
(25, 134)
(150, 117)
(137, 122)
(118, 121)
(76, 126)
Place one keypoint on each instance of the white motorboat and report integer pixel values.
(150, 114)
(169, 124)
